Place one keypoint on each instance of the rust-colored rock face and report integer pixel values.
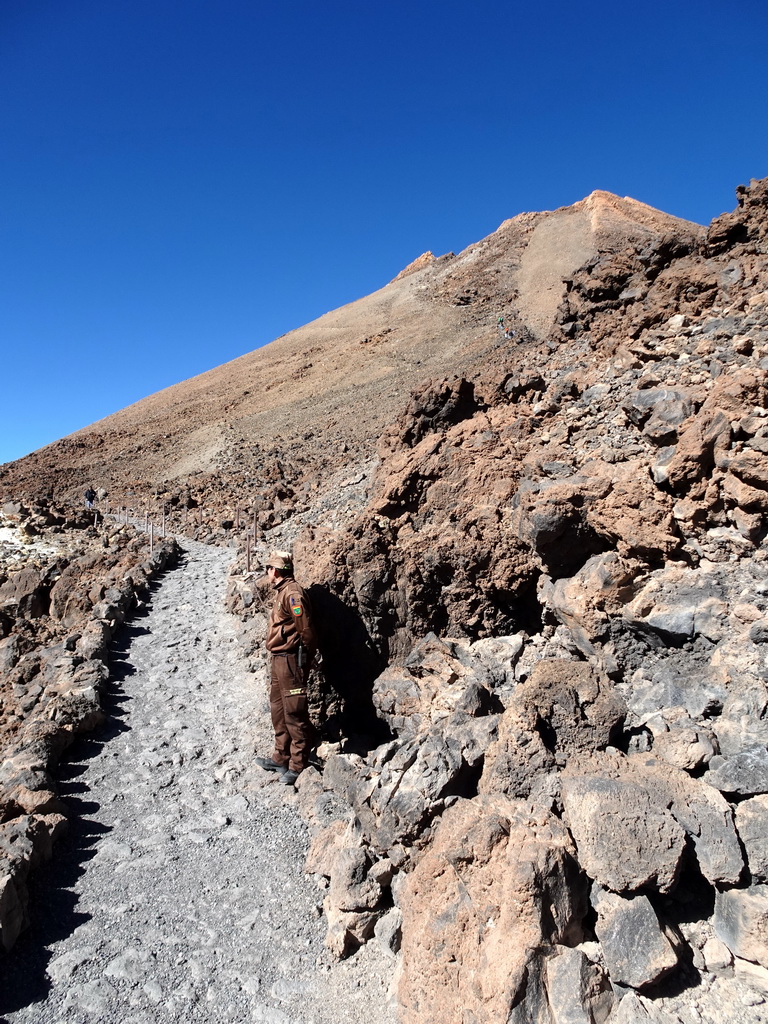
(539, 555)
(493, 887)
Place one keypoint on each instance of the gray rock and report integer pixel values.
(627, 839)
(499, 655)
(637, 952)
(659, 411)
(677, 738)
(680, 603)
(633, 1009)
(518, 760)
(351, 888)
(578, 990)
(407, 783)
(388, 930)
(744, 774)
(660, 468)
(438, 679)
(410, 788)
(696, 807)
(716, 954)
(752, 825)
(673, 683)
(741, 922)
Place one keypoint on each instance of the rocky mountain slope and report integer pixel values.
(320, 396)
(540, 565)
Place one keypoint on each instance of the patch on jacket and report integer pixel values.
(296, 607)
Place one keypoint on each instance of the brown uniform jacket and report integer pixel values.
(290, 621)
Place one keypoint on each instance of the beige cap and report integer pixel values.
(279, 560)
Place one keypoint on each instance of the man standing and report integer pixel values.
(292, 644)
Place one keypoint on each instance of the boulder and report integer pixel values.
(499, 655)
(351, 886)
(518, 760)
(741, 922)
(388, 930)
(637, 951)
(659, 412)
(699, 810)
(585, 602)
(410, 783)
(677, 738)
(572, 705)
(348, 930)
(678, 604)
(709, 431)
(578, 991)
(752, 825)
(494, 886)
(438, 679)
(70, 601)
(627, 839)
(562, 708)
(742, 774)
(24, 595)
(676, 681)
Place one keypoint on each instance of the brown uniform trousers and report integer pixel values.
(294, 733)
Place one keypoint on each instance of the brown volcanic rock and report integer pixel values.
(494, 890)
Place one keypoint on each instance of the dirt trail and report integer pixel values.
(179, 893)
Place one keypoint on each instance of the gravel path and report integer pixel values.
(179, 893)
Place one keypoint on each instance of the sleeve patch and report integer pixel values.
(296, 607)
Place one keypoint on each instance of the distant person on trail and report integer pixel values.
(90, 497)
(500, 324)
(292, 644)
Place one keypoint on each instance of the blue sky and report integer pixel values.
(184, 180)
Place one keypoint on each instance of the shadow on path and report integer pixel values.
(52, 906)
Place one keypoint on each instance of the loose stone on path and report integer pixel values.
(179, 893)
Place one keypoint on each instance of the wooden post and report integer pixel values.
(237, 517)
(163, 520)
(248, 553)
(199, 515)
(255, 527)
(151, 537)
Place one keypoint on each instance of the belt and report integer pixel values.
(284, 654)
